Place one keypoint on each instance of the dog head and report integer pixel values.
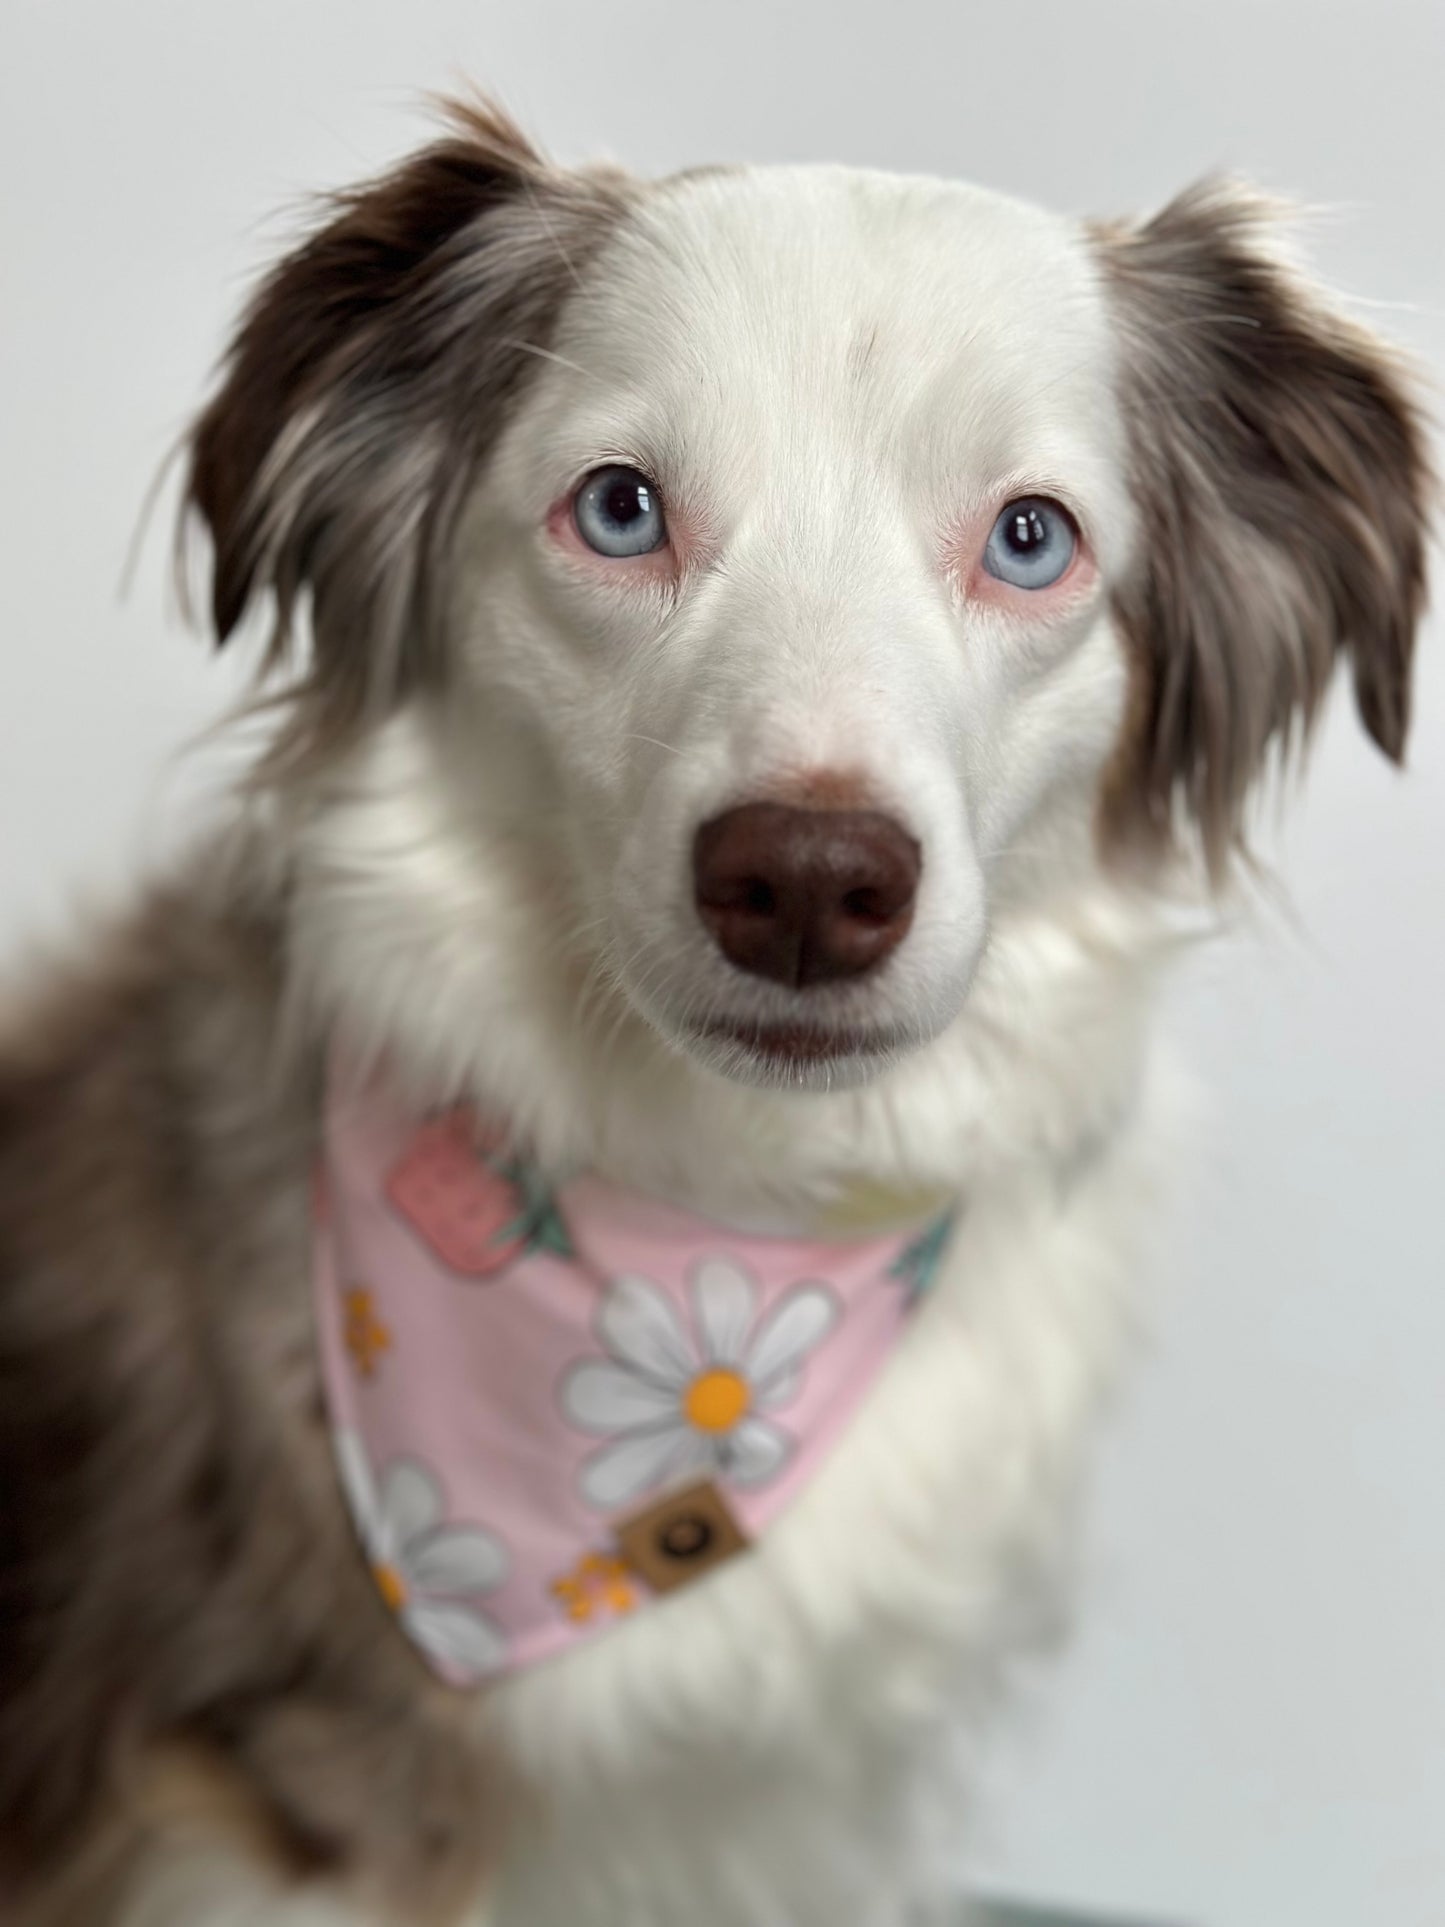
(798, 570)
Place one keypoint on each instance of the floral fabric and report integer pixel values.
(513, 1372)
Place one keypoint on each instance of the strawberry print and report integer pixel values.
(477, 1209)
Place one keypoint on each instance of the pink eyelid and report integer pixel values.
(962, 554)
(964, 548)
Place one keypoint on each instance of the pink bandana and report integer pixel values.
(548, 1407)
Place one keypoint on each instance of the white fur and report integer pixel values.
(830, 371)
(782, 1743)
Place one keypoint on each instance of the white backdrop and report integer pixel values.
(1250, 1731)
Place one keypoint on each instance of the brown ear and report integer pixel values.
(365, 382)
(1280, 471)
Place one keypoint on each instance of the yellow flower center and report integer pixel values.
(715, 1401)
(391, 1586)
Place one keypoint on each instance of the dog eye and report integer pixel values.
(1032, 544)
(617, 512)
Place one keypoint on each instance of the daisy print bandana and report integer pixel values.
(550, 1406)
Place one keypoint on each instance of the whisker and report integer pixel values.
(540, 210)
(544, 354)
(632, 736)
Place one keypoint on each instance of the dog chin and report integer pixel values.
(796, 1056)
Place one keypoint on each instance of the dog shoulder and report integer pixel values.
(173, 1555)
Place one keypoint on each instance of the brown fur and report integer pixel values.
(369, 376)
(174, 1559)
(1280, 465)
(175, 1566)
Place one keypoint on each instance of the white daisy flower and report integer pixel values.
(678, 1402)
(423, 1568)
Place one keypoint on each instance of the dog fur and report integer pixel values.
(465, 849)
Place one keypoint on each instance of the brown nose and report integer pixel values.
(805, 896)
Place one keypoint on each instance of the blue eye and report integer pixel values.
(1032, 544)
(618, 512)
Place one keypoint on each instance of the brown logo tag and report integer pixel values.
(680, 1537)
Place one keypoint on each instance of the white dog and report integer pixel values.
(770, 658)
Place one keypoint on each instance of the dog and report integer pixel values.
(767, 668)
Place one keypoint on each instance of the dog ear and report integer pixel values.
(1280, 472)
(365, 382)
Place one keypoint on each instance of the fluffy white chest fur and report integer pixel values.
(774, 663)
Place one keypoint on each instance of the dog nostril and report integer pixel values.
(749, 896)
(867, 906)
